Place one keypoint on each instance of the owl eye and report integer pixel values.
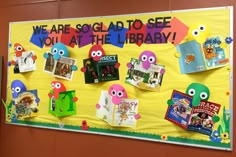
(54, 51)
(19, 48)
(202, 28)
(93, 54)
(58, 85)
(17, 89)
(151, 59)
(120, 94)
(191, 92)
(144, 57)
(203, 95)
(61, 52)
(195, 32)
(113, 93)
(99, 53)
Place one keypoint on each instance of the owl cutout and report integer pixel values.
(57, 87)
(96, 52)
(58, 50)
(17, 87)
(62, 102)
(117, 93)
(198, 32)
(147, 58)
(18, 48)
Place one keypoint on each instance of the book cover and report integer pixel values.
(191, 59)
(201, 117)
(198, 119)
(196, 57)
(26, 62)
(64, 105)
(180, 112)
(26, 104)
(63, 68)
(102, 70)
(214, 54)
(147, 79)
(122, 114)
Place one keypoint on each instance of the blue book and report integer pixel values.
(196, 58)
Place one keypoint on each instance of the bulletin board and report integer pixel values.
(187, 54)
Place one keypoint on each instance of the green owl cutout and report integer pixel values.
(198, 92)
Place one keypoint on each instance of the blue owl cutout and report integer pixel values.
(58, 50)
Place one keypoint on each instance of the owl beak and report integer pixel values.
(116, 100)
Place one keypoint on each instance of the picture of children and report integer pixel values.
(202, 119)
(206, 120)
(182, 108)
(63, 68)
(207, 123)
(196, 121)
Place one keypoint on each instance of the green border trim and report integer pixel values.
(145, 136)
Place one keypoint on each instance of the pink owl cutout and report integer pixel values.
(147, 58)
(96, 52)
(117, 92)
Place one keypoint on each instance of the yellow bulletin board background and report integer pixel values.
(152, 105)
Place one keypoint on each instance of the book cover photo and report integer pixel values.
(63, 68)
(196, 58)
(201, 119)
(26, 62)
(193, 118)
(64, 105)
(147, 79)
(26, 104)
(103, 70)
(49, 63)
(122, 114)
(180, 112)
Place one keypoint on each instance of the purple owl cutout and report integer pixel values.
(147, 58)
